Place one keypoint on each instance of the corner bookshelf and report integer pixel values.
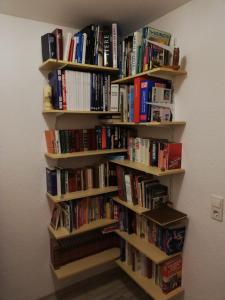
(149, 250)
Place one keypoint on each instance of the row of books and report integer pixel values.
(167, 275)
(169, 239)
(144, 50)
(74, 214)
(139, 189)
(75, 140)
(155, 152)
(142, 101)
(94, 44)
(62, 181)
(81, 91)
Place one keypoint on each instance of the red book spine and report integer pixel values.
(104, 146)
(70, 56)
(137, 98)
(59, 43)
(174, 155)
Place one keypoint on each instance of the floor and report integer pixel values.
(111, 285)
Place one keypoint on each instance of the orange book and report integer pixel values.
(104, 145)
(50, 140)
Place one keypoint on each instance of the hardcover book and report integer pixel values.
(48, 44)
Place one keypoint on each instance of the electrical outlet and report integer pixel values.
(217, 207)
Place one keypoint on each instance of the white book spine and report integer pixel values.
(114, 105)
(58, 182)
(67, 46)
(114, 45)
(84, 48)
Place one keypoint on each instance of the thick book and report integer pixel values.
(171, 273)
(114, 105)
(55, 81)
(59, 43)
(48, 45)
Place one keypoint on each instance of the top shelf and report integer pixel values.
(52, 64)
(162, 71)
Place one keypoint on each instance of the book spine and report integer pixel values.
(137, 99)
(114, 45)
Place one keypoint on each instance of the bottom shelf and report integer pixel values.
(148, 285)
(86, 263)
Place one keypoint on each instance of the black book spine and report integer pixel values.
(48, 45)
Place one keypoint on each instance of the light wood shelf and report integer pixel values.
(148, 285)
(162, 71)
(84, 153)
(62, 232)
(76, 112)
(147, 169)
(82, 194)
(52, 64)
(148, 249)
(86, 263)
(148, 124)
(136, 208)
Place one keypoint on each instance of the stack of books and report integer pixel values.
(148, 100)
(75, 140)
(81, 91)
(155, 152)
(62, 181)
(94, 44)
(167, 275)
(145, 49)
(139, 189)
(74, 214)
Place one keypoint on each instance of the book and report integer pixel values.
(171, 273)
(160, 114)
(114, 45)
(58, 33)
(48, 45)
(114, 104)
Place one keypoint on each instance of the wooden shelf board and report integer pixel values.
(52, 64)
(82, 194)
(148, 285)
(148, 249)
(62, 232)
(147, 169)
(136, 208)
(61, 112)
(165, 216)
(84, 153)
(149, 124)
(162, 71)
(86, 263)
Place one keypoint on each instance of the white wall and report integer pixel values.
(199, 29)
(24, 210)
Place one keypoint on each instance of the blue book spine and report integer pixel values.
(51, 180)
(131, 104)
(55, 81)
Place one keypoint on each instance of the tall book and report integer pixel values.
(114, 45)
(59, 43)
(48, 45)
